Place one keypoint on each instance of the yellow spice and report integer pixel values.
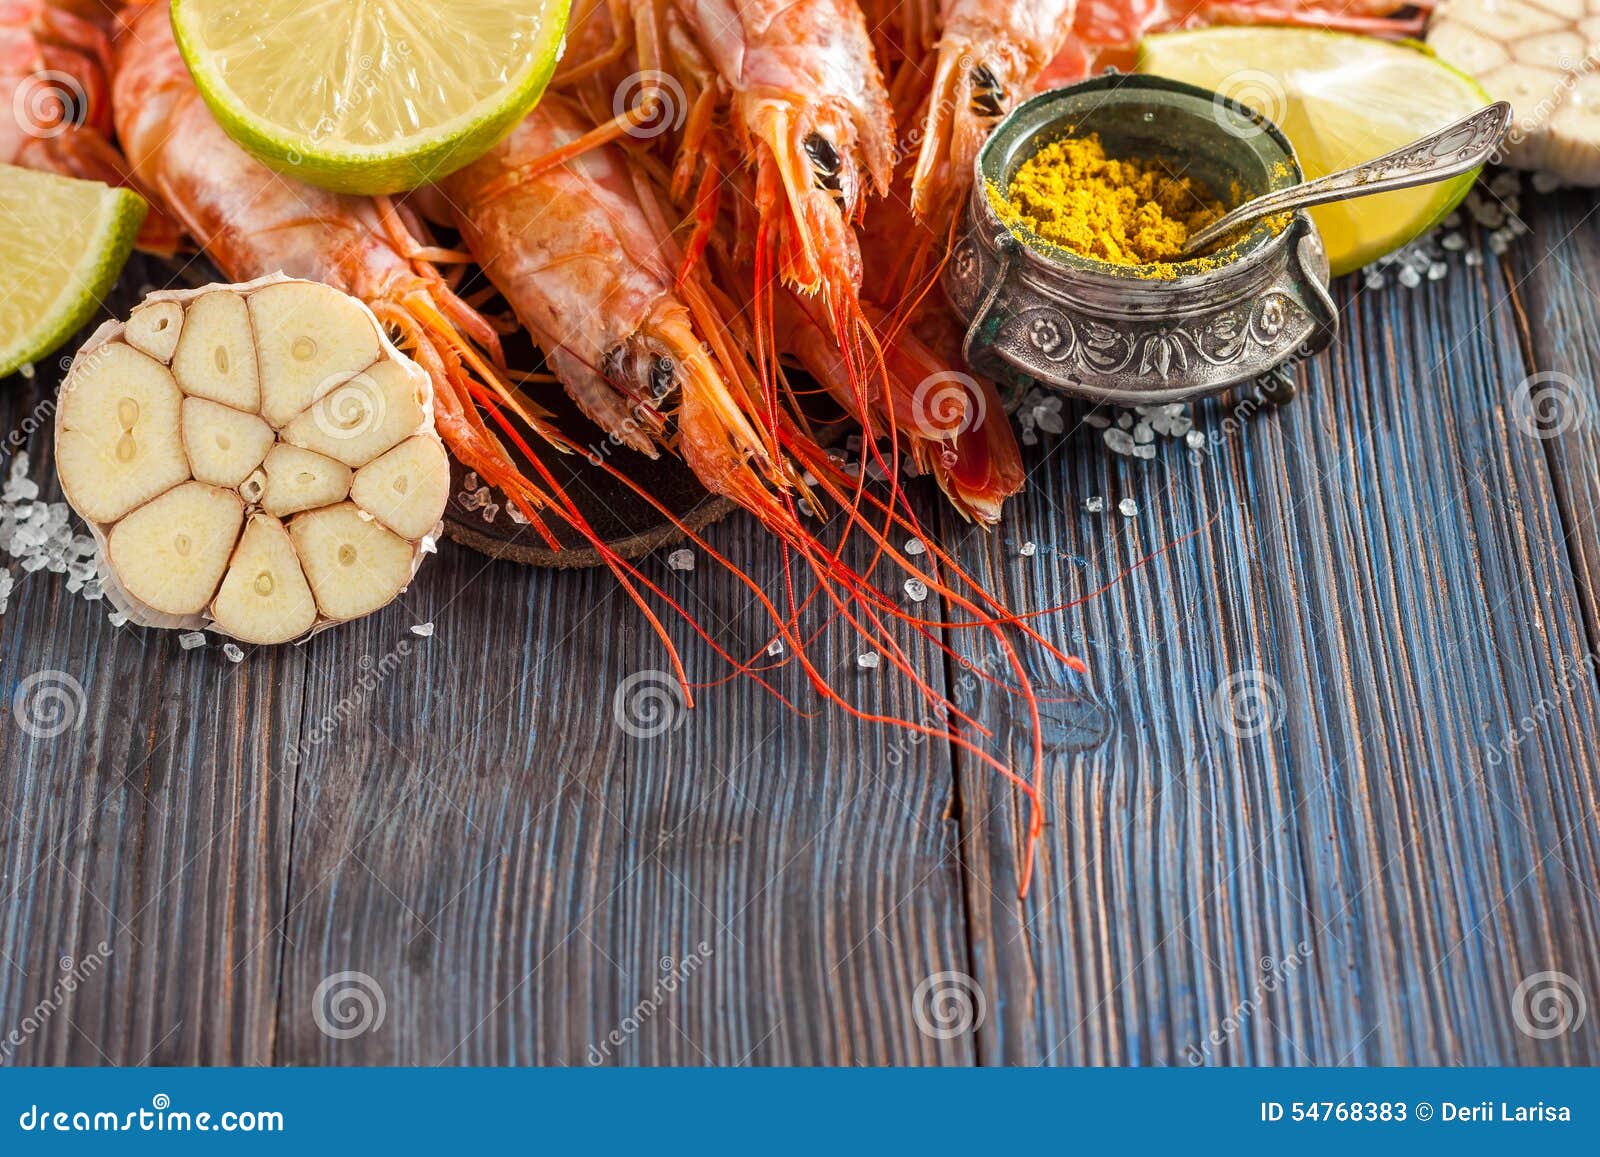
(1127, 212)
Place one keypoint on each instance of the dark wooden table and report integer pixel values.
(227, 860)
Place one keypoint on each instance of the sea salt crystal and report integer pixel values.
(680, 560)
(1437, 270)
(1454, 242)
(191, 639)
(915, 546)
(1119, 441)
(1410, 278)
(867, 660)
(1374, 279)
(422, 630)
(775, 647)
(470, 481)
(516, 515)
(1545, 182)
(1143, 433)
(118, 619)
(1473, 257)
(234, 652)
(1128, 508)
(1094, 504)
(916, 590)
(1499, 242)
(1125, 420)
(1096, 419)
(1146, 451)
(1195, 439)
(1180, 426)
(1028, 549)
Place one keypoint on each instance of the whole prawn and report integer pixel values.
(587, 268)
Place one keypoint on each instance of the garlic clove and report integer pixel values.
(171, 552)
(406, 488)
(354, 565)
(154, 328)
(309, 338)
(216, 356)
(224, 445)
(265, 597)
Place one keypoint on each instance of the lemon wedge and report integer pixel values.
(1340, 99)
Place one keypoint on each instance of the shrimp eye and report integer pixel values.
(825, 160)
(662, 373)
(988, 98)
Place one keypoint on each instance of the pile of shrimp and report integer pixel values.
(709, 211)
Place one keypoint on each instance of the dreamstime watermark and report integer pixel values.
(1274, 973)
(372, 675)
(1248, 703)
(648, 704)
(1574, 671)
(73, 974)
(1549, 1004)
(946, 404)
(49, 103)
(949, 1004)
(349, 1004)
(655, 96)
(673, 974)
(349, 407)
(357, 90)
(1549, 404)
(1259, 91)
(49, 703)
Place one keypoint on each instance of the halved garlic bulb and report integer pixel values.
(257, 459)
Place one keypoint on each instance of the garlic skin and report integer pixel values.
(258, 460)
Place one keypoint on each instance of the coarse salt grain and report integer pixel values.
(680, 560)
(1128, 508)
(1028, 549)
(916, 590)
(422, 630)
(867, 660)
(1094, 504)
(189, 640)
(915, 546)
(234, 652)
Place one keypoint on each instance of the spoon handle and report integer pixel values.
(1454, 149)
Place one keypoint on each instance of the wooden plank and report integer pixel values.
(1386, 571)
(527, 882)
(145, 811)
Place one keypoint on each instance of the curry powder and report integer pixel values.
(1126, 212)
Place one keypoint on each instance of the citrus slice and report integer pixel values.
(369, 96)
(62, 244)
(1340, 99)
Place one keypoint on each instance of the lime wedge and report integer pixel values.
(62, 244)
(369, 96)
(1340, 99)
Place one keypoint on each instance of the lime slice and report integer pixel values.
(1340, 99)
(62, 244)
(370, 96)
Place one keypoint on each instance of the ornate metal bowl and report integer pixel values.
(1101, 331)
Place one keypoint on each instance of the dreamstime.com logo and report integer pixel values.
(1547, 405)
(1248, 703)
(160, 1117)
(49, 703)
(1549, 1004)
(348, 1004)
(648, 704)
(949, 1004)
(658, 96)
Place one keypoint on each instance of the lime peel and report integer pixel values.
(384, 107)
(63, 243)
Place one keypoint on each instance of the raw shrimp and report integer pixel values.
(990, 53)
(55, 69)
(588, 270)
(810, 105)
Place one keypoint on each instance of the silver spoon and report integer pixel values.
(1454, 149)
